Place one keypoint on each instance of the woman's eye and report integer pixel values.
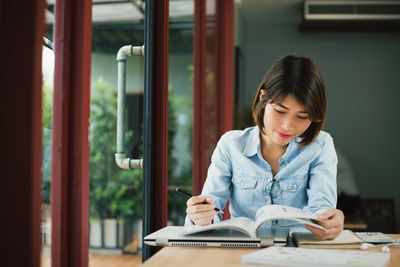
(303, 118)
(279, 111)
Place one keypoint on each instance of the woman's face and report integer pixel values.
(285, 121)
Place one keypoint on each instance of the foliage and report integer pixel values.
(117, 193)
(46, 141)
(114, 193)
(176, 204)
(47, 99)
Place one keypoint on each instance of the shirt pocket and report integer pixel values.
(294, 190)
(243, 189)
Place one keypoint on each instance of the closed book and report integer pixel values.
(345, 240)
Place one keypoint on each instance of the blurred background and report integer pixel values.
(358, 60)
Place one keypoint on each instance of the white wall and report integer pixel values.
(104, 66)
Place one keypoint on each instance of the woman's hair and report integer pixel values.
(300, 78)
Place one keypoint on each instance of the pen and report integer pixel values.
(183, 193)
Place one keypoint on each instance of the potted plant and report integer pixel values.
(115, 194)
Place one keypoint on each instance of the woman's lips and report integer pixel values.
(284, 136)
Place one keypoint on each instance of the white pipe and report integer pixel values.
(127, 163)
(120, 159)
(130, 50)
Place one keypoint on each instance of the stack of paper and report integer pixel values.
(375, 237)
(297, 257)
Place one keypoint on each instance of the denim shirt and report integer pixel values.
(238, 173)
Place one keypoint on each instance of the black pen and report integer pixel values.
(186, 194)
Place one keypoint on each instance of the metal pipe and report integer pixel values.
(120, 158)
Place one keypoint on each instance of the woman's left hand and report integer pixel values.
(332, 220)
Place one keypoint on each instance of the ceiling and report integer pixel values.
(117, 22)
(118, 11)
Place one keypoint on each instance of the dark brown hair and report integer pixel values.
(300, 78)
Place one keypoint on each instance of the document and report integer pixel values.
(307, 257)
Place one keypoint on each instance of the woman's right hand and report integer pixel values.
(201, 210)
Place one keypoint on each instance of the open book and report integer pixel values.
(264, 214)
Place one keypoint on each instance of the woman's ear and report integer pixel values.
(262, 94)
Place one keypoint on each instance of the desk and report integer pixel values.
(209, 257)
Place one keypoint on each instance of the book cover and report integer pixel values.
(345, 240)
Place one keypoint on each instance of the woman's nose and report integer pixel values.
(287, 124)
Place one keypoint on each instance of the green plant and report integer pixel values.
(177, 205)
(114, 193)
(47, 97)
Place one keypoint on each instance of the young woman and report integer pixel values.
(285, 159)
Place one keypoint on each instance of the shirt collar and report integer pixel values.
(253, 145)
(291, 152)
(253, 142)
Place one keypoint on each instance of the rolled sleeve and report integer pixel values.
(218, 181)
(322, 189)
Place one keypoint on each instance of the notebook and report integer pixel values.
(346, 239)
(307, 257)
(178, 236)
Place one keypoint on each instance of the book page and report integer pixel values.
(242, 224)
(296, 257)
(276, 212)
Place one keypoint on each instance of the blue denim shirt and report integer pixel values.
(238, 173)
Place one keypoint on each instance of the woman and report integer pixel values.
(285, 159)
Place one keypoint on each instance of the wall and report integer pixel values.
(362, 75)
(104, 66)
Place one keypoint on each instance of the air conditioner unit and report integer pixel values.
(331, 11)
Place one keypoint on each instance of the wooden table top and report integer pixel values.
(208, 257)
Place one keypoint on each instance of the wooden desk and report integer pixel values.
(209, 257)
